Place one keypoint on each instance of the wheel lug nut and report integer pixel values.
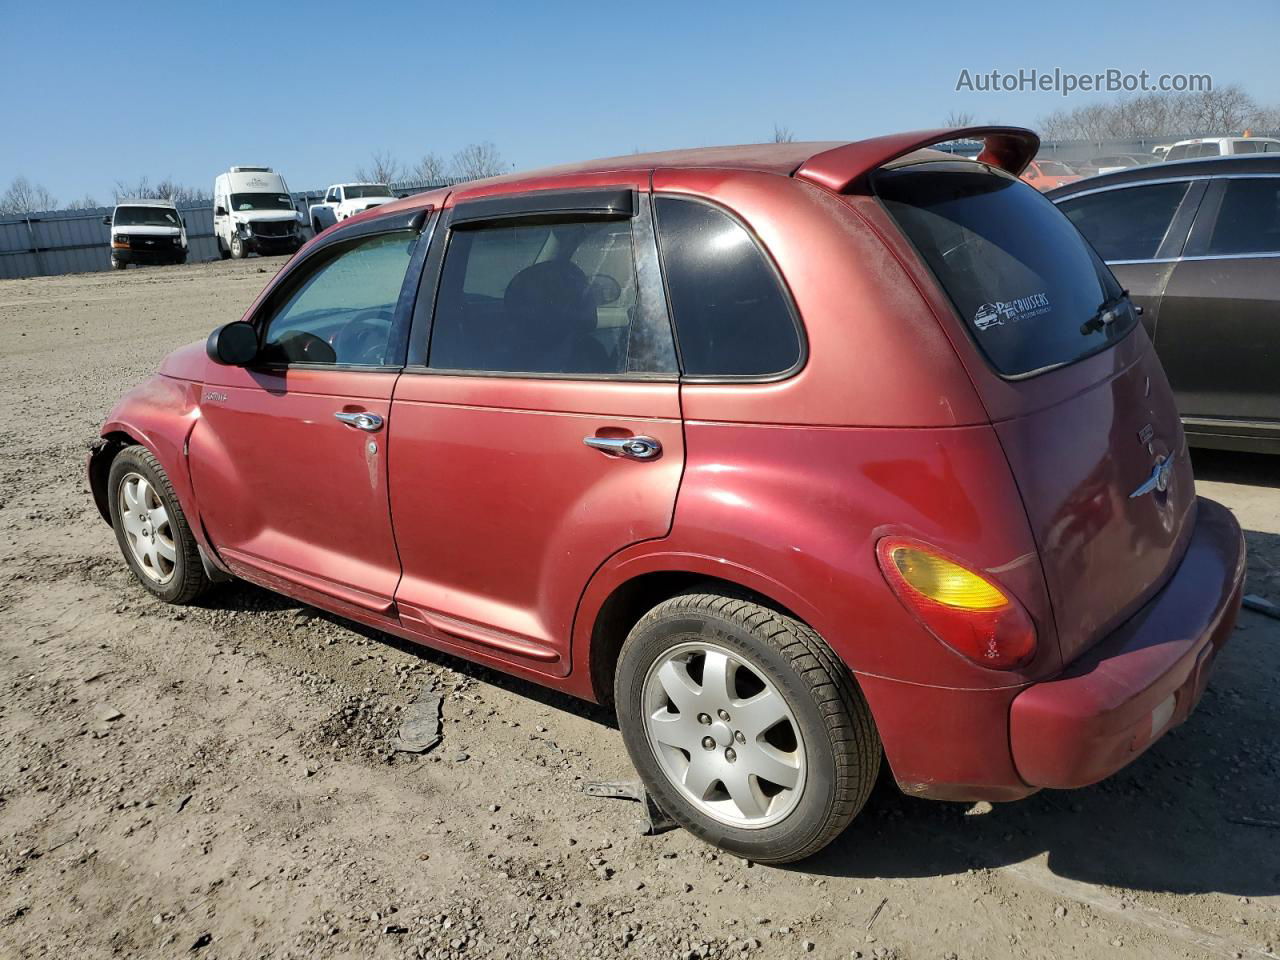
(723, 714)
(737, 735)
(731, 755)
(708, 743)
(704, 719)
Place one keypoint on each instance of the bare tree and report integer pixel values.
(383, 168)
(1220, 111)
(164, 189)
(24, 197)
(84, 203)
(957, 118)
(478, 160)
(430, 169)
(782, 134)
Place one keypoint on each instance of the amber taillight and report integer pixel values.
(963, 609)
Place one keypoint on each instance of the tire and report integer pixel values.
(315, 227)
(222, 251)
(180, 579)
(117, 264)
(828, 732)
(238, 249)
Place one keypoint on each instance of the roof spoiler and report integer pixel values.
(845, 169)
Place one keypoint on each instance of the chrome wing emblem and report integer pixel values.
(1159, 479)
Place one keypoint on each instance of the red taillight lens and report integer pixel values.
(963, 609)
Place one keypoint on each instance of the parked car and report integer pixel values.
(146, 232)
(1112, 163)
(1047, 174)
(1220, 147)
(254, 213)
(343, 200)
(798, 454)
(1198, 246)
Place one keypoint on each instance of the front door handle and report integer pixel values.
(361, 421)
(635, 448)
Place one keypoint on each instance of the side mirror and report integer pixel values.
(107, 220)
(233, 344)
(219, 211)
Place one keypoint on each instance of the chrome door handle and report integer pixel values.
(635, 448)
(361, 421)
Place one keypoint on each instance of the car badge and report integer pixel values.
(1159, 479)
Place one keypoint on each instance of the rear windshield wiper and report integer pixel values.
(1108, 313)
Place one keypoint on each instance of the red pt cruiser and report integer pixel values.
(800, 454)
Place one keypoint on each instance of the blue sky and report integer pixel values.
(99, 92)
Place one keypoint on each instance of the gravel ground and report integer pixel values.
(214, 781)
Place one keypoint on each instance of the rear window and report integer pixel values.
(1030, 290)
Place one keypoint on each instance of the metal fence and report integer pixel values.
(77, 241)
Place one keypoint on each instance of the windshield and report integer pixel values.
(1054, 168)
(261, 201)
(1030, 289)
(145, 217)
(367, 190)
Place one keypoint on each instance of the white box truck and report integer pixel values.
(253, 213)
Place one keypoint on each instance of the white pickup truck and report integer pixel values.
(344, 200)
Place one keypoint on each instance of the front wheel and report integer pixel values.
(744, 726)
(117, 264)
(238, 251)
(151, 528)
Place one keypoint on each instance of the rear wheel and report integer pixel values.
(151, 528)
(744, 726)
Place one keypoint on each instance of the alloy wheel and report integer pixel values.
(723, 735)
(147, 529)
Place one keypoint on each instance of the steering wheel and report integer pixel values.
(363, 339)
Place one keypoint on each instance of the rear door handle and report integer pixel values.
(361, 421)
(634, 448)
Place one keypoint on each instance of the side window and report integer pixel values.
(340, 309)
(1246, 146)
(545, 298)
(731, 315)
(1180, 152)
(1249, 218)
(1127, 224)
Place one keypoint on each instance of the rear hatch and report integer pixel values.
(1077, 397)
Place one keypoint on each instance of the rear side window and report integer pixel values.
(1249, 218)
(1128, 224)
(731, 315)
(1027, 286)
(546, 298)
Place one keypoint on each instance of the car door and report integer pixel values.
(289, 456)
(537, 425)
(1139, 229)
(1219, 334)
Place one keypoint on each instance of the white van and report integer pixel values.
(1221, 147)
(146, 231)
(253, 213)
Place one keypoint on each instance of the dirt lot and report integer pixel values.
(241, 802)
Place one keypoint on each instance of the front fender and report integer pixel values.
(159, 414)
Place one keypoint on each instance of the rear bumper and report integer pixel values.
(1112, 703)
(1092, 719)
